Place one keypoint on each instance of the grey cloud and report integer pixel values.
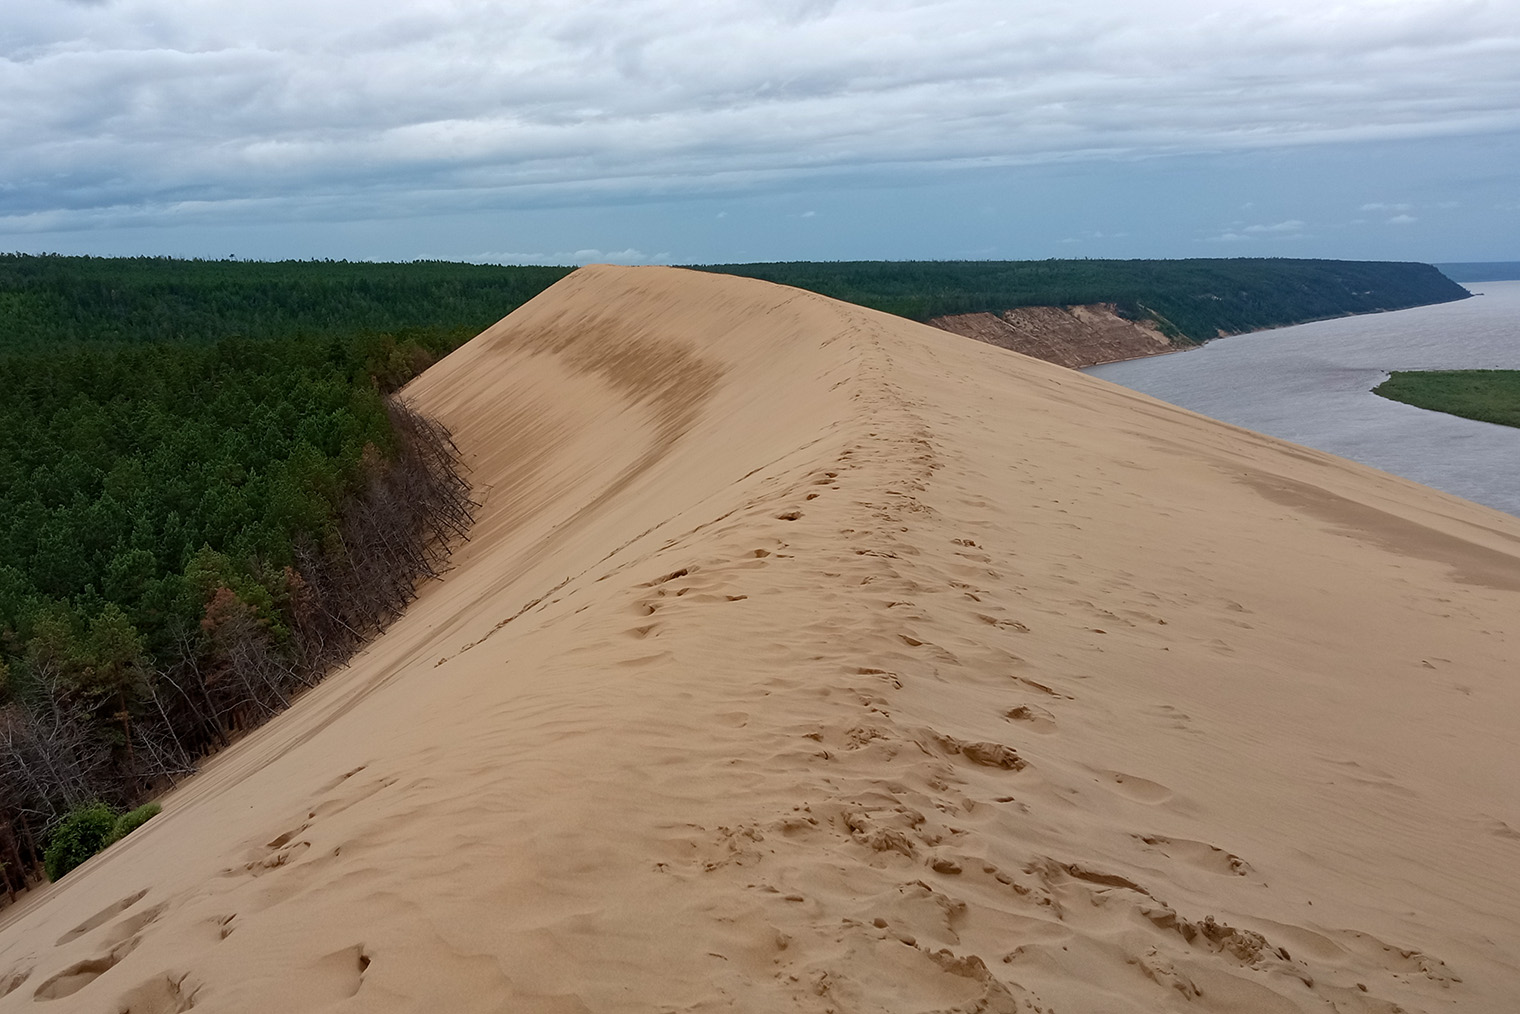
(147, 107)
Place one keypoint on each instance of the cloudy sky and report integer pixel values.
(686, 131)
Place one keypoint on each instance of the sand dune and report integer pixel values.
(805, 658)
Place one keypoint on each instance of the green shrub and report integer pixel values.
(132, 820)
(88, 830)
(83, 833)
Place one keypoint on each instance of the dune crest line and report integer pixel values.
(807, 658)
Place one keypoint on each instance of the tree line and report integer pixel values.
(51, 300)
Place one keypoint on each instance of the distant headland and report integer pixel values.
(1481, 271)
(1084, 312)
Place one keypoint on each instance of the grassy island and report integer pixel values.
(1491, 396)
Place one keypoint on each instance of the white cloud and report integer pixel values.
(1291, 228)
(1277, 228)
(629, 256)
(1402, 220)
(157, 109)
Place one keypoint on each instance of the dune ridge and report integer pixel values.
(806, 658)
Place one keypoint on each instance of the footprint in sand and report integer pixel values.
(288, 846)
(165, 993)
(102, 917)
(684, 571)
(643, 660)
(1172, 718)
(941, 654)
(1042, 688)
(1035, 718)
(283, 853)
(81, 973)
(1200, 855)
(341, 973)
(992, 755)
(1499, 829)
(1141, 790)
(1398, 960)
(120, 938)
(12, 981)
(993, 621)
(890, 678)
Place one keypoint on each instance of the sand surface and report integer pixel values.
(808, 659)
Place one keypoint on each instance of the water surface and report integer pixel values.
(1312, 384)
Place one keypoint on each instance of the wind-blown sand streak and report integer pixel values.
(805, 658)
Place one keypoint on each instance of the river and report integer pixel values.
(1312, 384)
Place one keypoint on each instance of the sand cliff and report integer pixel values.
(1075, 336)
(806, 658)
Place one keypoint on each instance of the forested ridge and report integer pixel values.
(1196, 299)
(208, 497)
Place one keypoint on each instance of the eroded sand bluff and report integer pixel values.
(805, 658)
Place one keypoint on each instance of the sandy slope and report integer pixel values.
(809, 659)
